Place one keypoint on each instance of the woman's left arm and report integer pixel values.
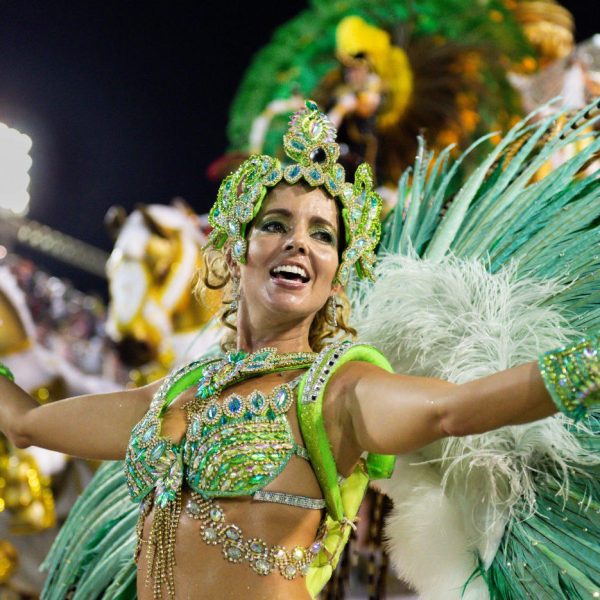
(393, 414)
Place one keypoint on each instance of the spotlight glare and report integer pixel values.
(15, 163)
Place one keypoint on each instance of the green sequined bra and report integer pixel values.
(231, 447)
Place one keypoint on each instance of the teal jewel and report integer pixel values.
(233, 553)
(351, 254)
(297, 144)
(149, 433)
(158, 451)
(273, 177)
(293, 173)
(282, 400)
(205, 391)
(235, 357)
(212, 412)
(234, 405)
(257, 547)
(312, 105)
(259, 358)
(257, 403)
(233, 533)
(196, 428)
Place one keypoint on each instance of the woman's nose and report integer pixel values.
(296, 241)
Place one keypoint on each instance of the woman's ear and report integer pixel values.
(336, 288)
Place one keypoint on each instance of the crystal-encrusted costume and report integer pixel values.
(235, 446)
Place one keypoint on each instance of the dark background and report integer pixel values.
(127, 102)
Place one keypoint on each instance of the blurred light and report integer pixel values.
(3, 252)
(15, 163)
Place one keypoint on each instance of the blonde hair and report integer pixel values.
(215, 275)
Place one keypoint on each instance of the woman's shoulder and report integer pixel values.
(339, 364)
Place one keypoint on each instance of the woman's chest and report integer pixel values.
(232, 443)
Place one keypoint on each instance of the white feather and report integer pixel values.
(454, 320)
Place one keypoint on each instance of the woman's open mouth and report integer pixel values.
(290, 275)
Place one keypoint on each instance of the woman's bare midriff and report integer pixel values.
(201, 571)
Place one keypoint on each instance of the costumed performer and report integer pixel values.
(255, 458)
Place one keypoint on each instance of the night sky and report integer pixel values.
(127, 102)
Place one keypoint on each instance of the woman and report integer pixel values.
(226, 469)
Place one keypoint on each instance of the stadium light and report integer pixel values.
(15, 163)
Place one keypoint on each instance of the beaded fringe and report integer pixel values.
(160, 553)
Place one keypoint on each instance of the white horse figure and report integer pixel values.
(153, 315)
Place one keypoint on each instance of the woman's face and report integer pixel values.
(292, 254)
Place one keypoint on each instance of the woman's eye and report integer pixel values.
(324, 236)
(273, 227)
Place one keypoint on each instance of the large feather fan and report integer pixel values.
(509, 271)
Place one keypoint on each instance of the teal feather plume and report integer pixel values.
(547, 229)
(92, 557)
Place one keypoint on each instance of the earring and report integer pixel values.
(235, 293)
(331, 310)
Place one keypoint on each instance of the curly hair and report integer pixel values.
(215, 275)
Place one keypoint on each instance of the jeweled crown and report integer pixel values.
(310, 144)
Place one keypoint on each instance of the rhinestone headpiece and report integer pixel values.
(310, 143)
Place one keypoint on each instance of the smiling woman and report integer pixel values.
(249, 468)
(296, 240)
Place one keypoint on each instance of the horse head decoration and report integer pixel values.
(153, 315)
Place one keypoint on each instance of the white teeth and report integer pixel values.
(291, 269)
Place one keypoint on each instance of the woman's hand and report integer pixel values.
(393, 414)
(95, 426)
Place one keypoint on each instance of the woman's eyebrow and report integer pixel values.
(278, 211)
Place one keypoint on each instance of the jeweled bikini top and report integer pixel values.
(231, 447)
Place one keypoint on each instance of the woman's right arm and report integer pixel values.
(94, 426)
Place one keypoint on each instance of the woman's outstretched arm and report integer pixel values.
(394, 414)
(94, 426)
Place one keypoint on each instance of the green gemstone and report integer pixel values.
(256, 547)
(282, 398)
(158, 450)
(297, 144)
(234, 553)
